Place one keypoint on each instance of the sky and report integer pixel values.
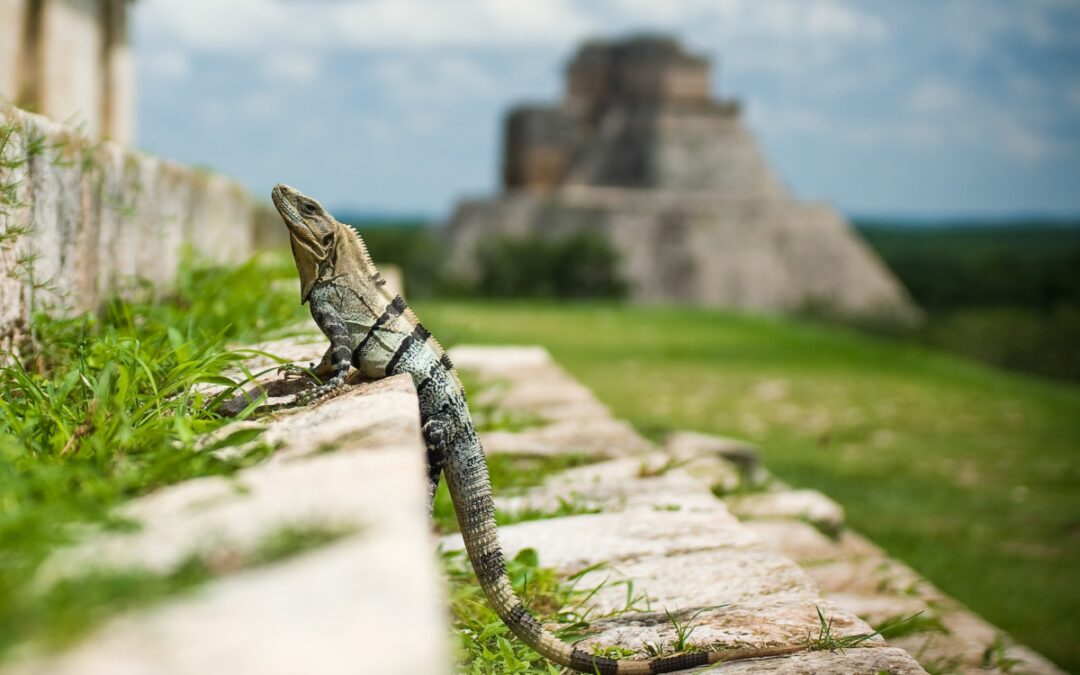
(919, 109)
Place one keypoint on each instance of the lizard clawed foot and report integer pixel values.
(320, 392)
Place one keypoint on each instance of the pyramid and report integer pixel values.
(641, 153)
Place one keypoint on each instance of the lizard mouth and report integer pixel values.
(280, 196)
(284, 198)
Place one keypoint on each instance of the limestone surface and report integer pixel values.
(663, 547)
(568, 418)
(808, 505)
(369, 601)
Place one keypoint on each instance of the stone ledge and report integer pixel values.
(372, 601)
(662, 532)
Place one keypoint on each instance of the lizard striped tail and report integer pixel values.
(470, 489)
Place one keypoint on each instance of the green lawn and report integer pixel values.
(967, 473)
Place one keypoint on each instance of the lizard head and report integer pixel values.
(312, 232)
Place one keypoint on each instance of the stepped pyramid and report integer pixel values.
(641, 152)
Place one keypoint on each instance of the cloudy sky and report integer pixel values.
(919, 108)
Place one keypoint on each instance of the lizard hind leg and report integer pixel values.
(438, 434)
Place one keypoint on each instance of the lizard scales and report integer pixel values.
(372, 329)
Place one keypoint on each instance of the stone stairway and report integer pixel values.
(751, 569)
(765, 556)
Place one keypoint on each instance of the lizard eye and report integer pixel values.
(308, 208)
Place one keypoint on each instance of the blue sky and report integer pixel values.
(914, 108)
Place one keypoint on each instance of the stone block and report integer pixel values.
(525, 380)
(704, 568)
(800, 541)
(629, 483)
(602, 437)
(808, 505)
(690, 445)
(970, 644)
(847, 662)
(370, 601)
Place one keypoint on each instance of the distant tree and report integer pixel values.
(581, 265)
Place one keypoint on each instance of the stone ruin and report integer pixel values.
(70, 60)
(640, 152)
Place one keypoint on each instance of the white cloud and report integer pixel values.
(831, 20)
(409, 25)
(451, 79)
(936, 96)
(292, 66)
(375, 25)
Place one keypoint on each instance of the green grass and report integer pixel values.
(100, 409)
(968, 473)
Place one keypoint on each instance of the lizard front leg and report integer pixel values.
(331, 323)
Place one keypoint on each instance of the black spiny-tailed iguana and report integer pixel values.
(378, 334)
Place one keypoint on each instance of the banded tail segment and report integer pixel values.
(470, 489)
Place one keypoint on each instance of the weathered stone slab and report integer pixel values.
(808, 505)
(707, 578)
(365, 605)
(680, 562)
(970, 644)
(628, 483)
(526, 381)
(663, 533)
(847, 662)
(687, 445)
(798, 540)
(860, 579)
(574, 543)
(602, 437)
(200, 515)
(354, 463)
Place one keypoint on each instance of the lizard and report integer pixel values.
(372, 329)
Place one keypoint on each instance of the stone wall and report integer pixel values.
(81, 218)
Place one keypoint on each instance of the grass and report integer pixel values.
(826, 641)
(485, 644)
(102, 409)
(968, 473)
